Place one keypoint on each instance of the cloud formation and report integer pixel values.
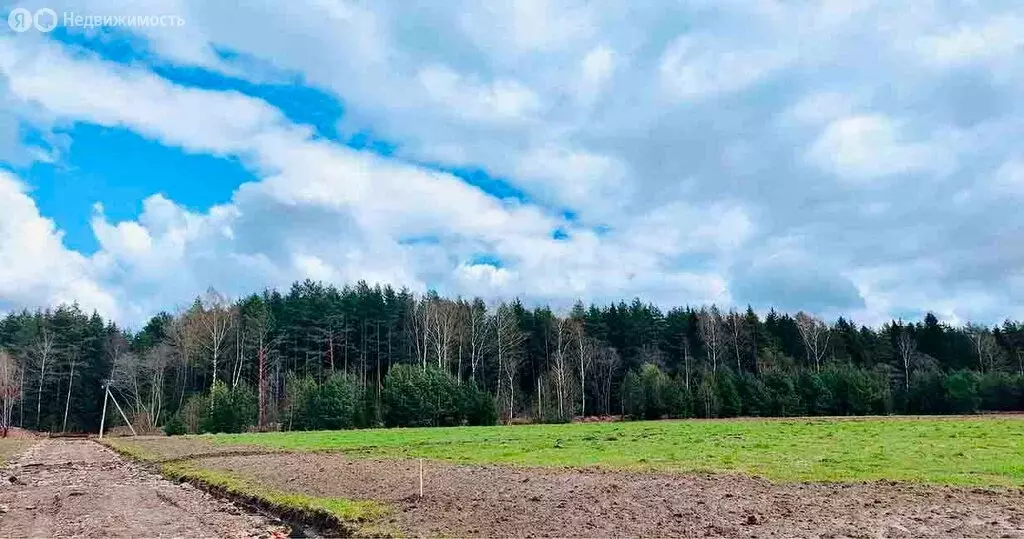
(808, 157)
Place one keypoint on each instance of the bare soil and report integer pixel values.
(496, 501)
(77, 488)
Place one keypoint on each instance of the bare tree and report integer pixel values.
(139, 381)
(183, 337)
(907, 347)
(259, 322)
(738, 336)
(442, 329)
(478, 331)
(508, 343)
(10, 389)
(606, 364)
(585, 350)
(422, 314)
(560, 369)
(815, 334)
(216, 319)
(985, 346)
(41, 351)
(686, 360)
(710, 328)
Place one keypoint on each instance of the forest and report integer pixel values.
(323, 357)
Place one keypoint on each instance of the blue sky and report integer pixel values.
(852, 158)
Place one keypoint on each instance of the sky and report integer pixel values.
(847, 157)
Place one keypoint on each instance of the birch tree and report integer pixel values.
(259, 322)
(560, 369)
(441, 329)
(686, 360)
(738, 336)
(422, 312)
(42, 349)
(585, 350)
(985, 346)
(709, 325)
(10, 389)
(183, 337)
(906, 346)
(606, 365)
(138, 380)
(478, 331)
(216, 320)
(815, 334)
(508, 347)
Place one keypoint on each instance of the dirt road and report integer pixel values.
(76, 488)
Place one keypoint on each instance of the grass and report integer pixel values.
(347, 517)
(951, 451)
(345, 511)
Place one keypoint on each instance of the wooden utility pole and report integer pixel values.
(103, 418)
(107, 394)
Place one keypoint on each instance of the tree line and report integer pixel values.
(319, 356)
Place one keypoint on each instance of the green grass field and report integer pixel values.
(956, 451)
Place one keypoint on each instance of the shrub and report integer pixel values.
(478, 406)
(730, 404)
(781, 392)
(754, 395)
(678, 399)
(336, 404)
(816, 397)
(414, 396)
(175, 426)
(192, 412)
(706, 402)
(301, 395)
(862, 392)
(233, 410)
(927, 393)
(962, 392)
(647, 394)
(998, 391)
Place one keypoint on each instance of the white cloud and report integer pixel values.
(574, 178)
(527, 25)
(360, 206)
(36, 268)
(995, 39)
(871, 146)
(596, 69)
(500, 101)
(695, 66)
(692, 149)
(1009, 179)
(822, 107)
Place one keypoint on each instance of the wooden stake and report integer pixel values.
(421, 478)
